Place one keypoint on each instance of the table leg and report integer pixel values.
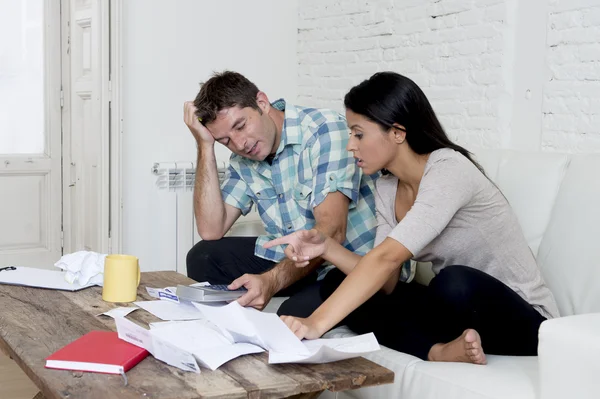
(39, 395)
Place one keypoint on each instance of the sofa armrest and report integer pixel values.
(569, 357)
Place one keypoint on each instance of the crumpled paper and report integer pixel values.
(83, 267)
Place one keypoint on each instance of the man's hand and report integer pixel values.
(302, 328)
(261, 288)
(302, 246)
(200, 132)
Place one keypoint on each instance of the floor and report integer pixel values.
(14, 384)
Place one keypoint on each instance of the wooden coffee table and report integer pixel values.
(36, 322)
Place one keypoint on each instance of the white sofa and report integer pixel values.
(557, 200)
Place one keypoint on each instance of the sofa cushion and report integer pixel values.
(503, 377)
(569, 254)
(530, 182)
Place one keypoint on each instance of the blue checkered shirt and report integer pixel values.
(311, 162)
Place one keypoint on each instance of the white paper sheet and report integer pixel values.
(270, 332)
(205, 341)
(329, 350)
(167, 293)
(252, 326)
(40, 278)
(118, 312)
(162, 350)
(167, 310)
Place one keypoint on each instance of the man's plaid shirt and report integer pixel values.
(311, 162)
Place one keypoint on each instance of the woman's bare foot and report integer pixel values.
(466, 348)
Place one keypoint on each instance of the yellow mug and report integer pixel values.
(121, 278)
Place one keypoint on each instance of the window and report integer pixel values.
(22, 88)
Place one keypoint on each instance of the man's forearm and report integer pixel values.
(287, 273)
(208, 203)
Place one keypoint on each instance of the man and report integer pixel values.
(292, 163)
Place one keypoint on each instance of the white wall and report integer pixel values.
(169, 48)
(571, 108)
(499, 73)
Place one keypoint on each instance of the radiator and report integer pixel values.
(178, 179)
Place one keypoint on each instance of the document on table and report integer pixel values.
(206, 342)
(252, 326)
(329, 350)
(222, 333)
(39, 278)
(161, 349)
(270, 332)
(118, 312)
(170, 311)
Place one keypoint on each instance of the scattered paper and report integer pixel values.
(205, 341)
(213, 335)
(118, 312)
(162, 350)
(252, 326)
(167, 294)
(166, 310)
(329, 350)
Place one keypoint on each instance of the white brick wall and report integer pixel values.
(461, 53)
(571, 105)
(452, 49)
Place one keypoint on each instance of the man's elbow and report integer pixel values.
(208, 234)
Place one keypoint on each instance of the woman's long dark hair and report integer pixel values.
(388, 97)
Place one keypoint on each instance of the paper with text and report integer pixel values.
(205, 341)
(162, 350)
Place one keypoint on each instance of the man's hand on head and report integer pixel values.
(200, 132)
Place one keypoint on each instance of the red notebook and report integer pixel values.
(97, 351)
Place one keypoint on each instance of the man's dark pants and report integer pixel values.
(222, 261)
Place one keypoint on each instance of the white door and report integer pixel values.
(30, 133)
(86, 122)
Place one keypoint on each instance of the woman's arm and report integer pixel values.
(340, 256)
(368, 277)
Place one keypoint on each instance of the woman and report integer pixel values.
(434, 205)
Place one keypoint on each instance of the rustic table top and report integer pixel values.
(35, 322)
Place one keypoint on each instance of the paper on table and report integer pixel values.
(167, 310)
(167, 293)
(329, 350)
(40, 278)
(205, 341)
(160, 349)
(249, 325)
(270, 332)
(118, 312)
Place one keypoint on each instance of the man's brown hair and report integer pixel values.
(224, 90)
